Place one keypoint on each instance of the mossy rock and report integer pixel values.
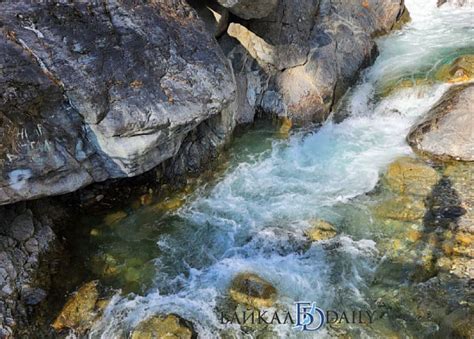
(251, 290)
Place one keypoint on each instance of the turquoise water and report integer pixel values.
(253, 217)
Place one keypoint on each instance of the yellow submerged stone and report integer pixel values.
(80, 310)
(285, 127)
(320, 230)
(115, 217)
(402, 208)
(411, 176)
(460, 70)
(170, 204)
(251, 290)
(158, 326)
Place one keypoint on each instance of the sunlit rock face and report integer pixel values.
(96, 91)
(309, 52)
(447, 130)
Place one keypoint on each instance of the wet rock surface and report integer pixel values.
(81, 310)
(164, 326)
(320, 230)
(447, 131)
(251, 290)
(410, 181)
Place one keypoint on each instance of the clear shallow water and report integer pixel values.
(252, 219)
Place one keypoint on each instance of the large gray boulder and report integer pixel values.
(313, 51)
(447, 132)
(91, 91)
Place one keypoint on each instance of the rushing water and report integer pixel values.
(252, 219)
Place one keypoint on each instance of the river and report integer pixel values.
(252, 217)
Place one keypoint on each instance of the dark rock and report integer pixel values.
(33, 296)
(22, 227)
(215, 17)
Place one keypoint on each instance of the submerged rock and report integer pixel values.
(320, 230)
(170, 204)
(403, 208)
(410, 182)
(251, 290)
(447, 132)
(114, 217)
(81, 310)
(164, 326)
(410, 176)
(461, 178)
(458, 323)
(285, 127)
(460, 70)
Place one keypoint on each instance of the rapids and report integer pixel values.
(253, 217)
